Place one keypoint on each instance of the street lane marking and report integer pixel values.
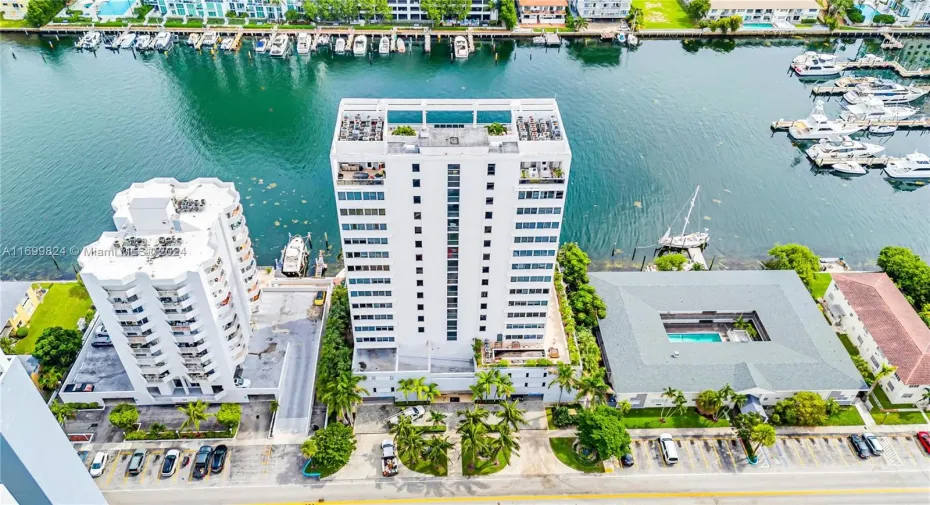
(620, 496)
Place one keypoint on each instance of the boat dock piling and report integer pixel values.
(426, 40)
(315, 40)
(890, 42)
(471, 41)
(349, 40)
(888, 65)
(922, 123)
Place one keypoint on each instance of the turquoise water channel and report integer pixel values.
(645, 127)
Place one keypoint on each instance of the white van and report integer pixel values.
(668, 448)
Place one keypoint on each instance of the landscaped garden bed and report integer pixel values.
(572, 455)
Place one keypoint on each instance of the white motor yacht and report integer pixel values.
(460, 46)
(142, 43)
(192, 39)
(294, 257)
(360, 45)
(849, 168)
(814, 64)
(913, 167)
(843, 147)
(401, 46)
(873, 109)
(91, 41)
(340, 46)
(127, 41)
(632, 40)
(227, 44)
(384, 45)
(886, 90)
(209, 40)
(163, 41)
(280, 46)
(818, 126)
(324, 40)
(261, 45)
(303, 43)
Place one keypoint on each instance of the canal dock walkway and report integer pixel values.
(915, 124)
(840, 90)
(884, 65)
(865, 162)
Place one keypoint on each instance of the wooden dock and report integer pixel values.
(838, 90)
(884, 65)
(890, 42)
(471, 41)
(199, 43)
(426, 40)
(866, 162)
(922, 123)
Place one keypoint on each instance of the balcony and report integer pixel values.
(544, 173)
(519, 345)
(360, 174)
(236, 212)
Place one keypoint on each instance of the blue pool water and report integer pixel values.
(694, 337)
(758, 26)
(868, 11)
(114, 7)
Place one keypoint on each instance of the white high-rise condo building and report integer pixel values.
(174, 287)
(450, 213)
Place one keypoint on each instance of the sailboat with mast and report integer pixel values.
(685, 240)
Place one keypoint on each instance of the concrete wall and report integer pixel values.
(897, 391)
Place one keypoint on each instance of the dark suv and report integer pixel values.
(202, 462)
(859, 445)
(218, 461)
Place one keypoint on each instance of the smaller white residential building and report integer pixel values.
(601, 9)
(542, 12)
(885, 329)
(13, 9)
(765, 11)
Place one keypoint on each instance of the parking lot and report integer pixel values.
(791, 453)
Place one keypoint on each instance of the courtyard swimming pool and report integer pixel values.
(868, 11)
(694, 337)
(758, 26)
(114, 7)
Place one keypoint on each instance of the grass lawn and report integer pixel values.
(13, 23)
(886, 403)
(897, 417)
(664, 14)
(481, 467)
(426, 467)
(821, 282)
(649, 418)
(562, 447)
(63, 305)
(850, 347)
(324, 471)
(847, 416)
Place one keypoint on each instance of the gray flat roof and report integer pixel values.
(803, 354)
(101, 367)
(11, 293)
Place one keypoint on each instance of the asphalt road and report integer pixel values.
(901, 486)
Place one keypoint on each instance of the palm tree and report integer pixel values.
(725, 394)
(565, 379)
(430, 393)
(738, 402)
(484, 381)
(474, 439)
(925, 397)
(410, 447)
(477, 391)
(406, 386)
(503, 386)
(402, 429)
(343, 394)
(62, 411)
(437, 451)
(670, 393)
(761, 434)
(635, 18)
(680, 401)
(505, 443)
(580, 24)
(195, 412)
(473, 417)
(511, 415)
(437, 418)
(592, 388)
(883, 372)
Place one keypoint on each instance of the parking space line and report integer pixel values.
(115, 465)
(716, 453)
(810, 450)
(906, 443)
(704, 458)
(658, 453)
(690, 456)
(839, 450)
(730, 450)
(795, 449)
(145, 464)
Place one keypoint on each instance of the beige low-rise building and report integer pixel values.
(765, 11)
(542, 12)
(18, 301)
(13, 9)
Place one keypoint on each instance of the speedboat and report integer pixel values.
(814, 64)
(142, 43)
(192, 39)
(227, 44)
(209, 40)
(303, 43)
(261, 45)
(460, 46)
(872, 109)
(91, 40)
(913, 167)
(885, 90)
(280, 46)
(294, 257)
(384, 45)
(817, 126)
(360, 45)
(852, 82)
(340, 46)
(882, 129)
(127, 41)
(632, 40)
(539, 40)
(849, 168)
(843, 147)
(324, 40)
(400, 47)
(163, 41)
(621, 38)
(111, 42)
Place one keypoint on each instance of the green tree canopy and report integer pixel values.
(708, 402)
(124, 415)
(601, 429)
(697, 9)
(40, 12)
(57, 347)
(803, 409)
(795, 257)
(229, 415)
(761, 434)
(573, 262)
(909, 273)
(196, 413)
(335, 444)
(508, 14)
(587, 306)
(671, 262)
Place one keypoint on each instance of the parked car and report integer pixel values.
(413, 413)
(81, 387)
(102, 331)
(924, 438)
(99, 463)
(859, 446)
(242, 383)
(202, 462)
(875, 447)
(218, 461)
(171, 463)
(101, 341)
(669, 448)
(320, 298)
(627, 460)
(136, 462)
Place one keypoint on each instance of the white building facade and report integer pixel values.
(30, 440)
(449, 235)
(601, 9)
(174, 287)
(765, 11)
(885, 329)
(13, 9)
(403, 10)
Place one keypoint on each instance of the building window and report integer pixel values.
(416, 167)
(420, 319)
(489, 201)
(484, 306)
(417, 215)
(419, 270)
(421, 330)
(485, 270)
(490, 186)
(419, 295)
(419, 306)
(418, 243)
(484, 294)
(487, 243)
(419, 257)
(491, 168)
(416, 183)
(417, 230)
(488, 215)
(486, 256)
(419, 283)
(487, 229)
(482, 328)
(483, 317)
(416, 199)
(484, 282)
